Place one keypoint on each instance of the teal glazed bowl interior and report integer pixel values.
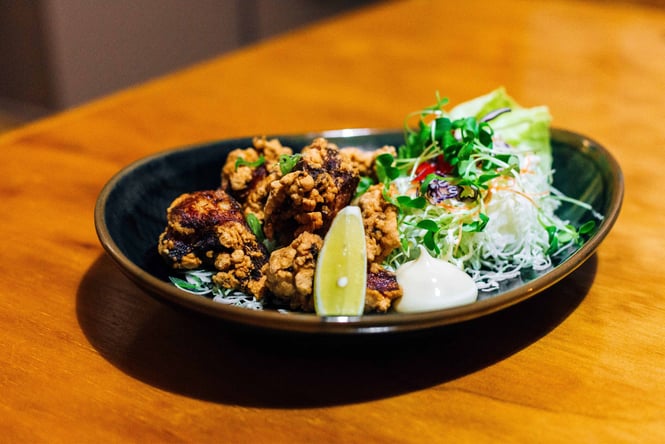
(131, 213)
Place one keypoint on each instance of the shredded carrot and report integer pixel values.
(459, 240)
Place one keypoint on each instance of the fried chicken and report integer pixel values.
(380, 221)
(290, 272)
(247, 178)
(308, 198)
(208, 229)
(382, 289)
(364, 161)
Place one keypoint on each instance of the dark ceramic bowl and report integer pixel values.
(131, 213)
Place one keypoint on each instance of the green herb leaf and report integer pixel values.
(440, 103)
(199, 287)
(565, 237)
(430, 243)
(477, 225)
(385, 169)
(484, 178)
(552, 234)
(587, 227)
(405, 202)
(429, 240)
(442, 127)
(427, 180)
(363, 185)
(256, 226)
(288, 162)
(485, 134)
(257, 163)
(428, 225)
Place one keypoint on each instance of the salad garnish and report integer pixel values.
(475, 188)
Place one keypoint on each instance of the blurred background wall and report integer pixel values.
(55, 54)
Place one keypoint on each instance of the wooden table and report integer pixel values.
(88, 357)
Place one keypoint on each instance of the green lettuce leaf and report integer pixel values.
(528, 128)
(523, 128)
(481, 106)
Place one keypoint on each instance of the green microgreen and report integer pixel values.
(587, 227)
(477, 225)
(386, 171)
(256, 226)
(440, 103)
(288, 162)
(192, 283)
(363, 185)
(431, 228)
(428, 179)
(466, 144)
(405, 202)
(559, 237)
(257, 163)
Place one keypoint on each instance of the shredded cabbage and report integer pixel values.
(199, 282)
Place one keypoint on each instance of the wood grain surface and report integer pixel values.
(85, 356)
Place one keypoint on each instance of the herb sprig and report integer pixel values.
(240, 161)
(466, 144)
(288, 162)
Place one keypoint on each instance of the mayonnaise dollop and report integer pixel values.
(432, 284)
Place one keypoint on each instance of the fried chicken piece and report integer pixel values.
(207, 228)
(382, 289)
(290, 272)
(310, 196)
(381, 238)
(364, 161)
(249, 184)
(380, 221)
(290, 277)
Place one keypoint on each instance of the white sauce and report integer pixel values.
(432, 284)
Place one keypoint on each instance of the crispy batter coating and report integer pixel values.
(308, 198)
(364, 161)
(380, 221)
(207, 228)
(381, 238)
(290, 272)
(382, 289)
(248, 184)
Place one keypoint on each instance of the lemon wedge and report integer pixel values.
(340, 278)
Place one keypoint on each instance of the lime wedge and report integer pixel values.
(341, 268)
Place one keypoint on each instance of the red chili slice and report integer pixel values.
(438, 166)
(423, 170)
(442, 166)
